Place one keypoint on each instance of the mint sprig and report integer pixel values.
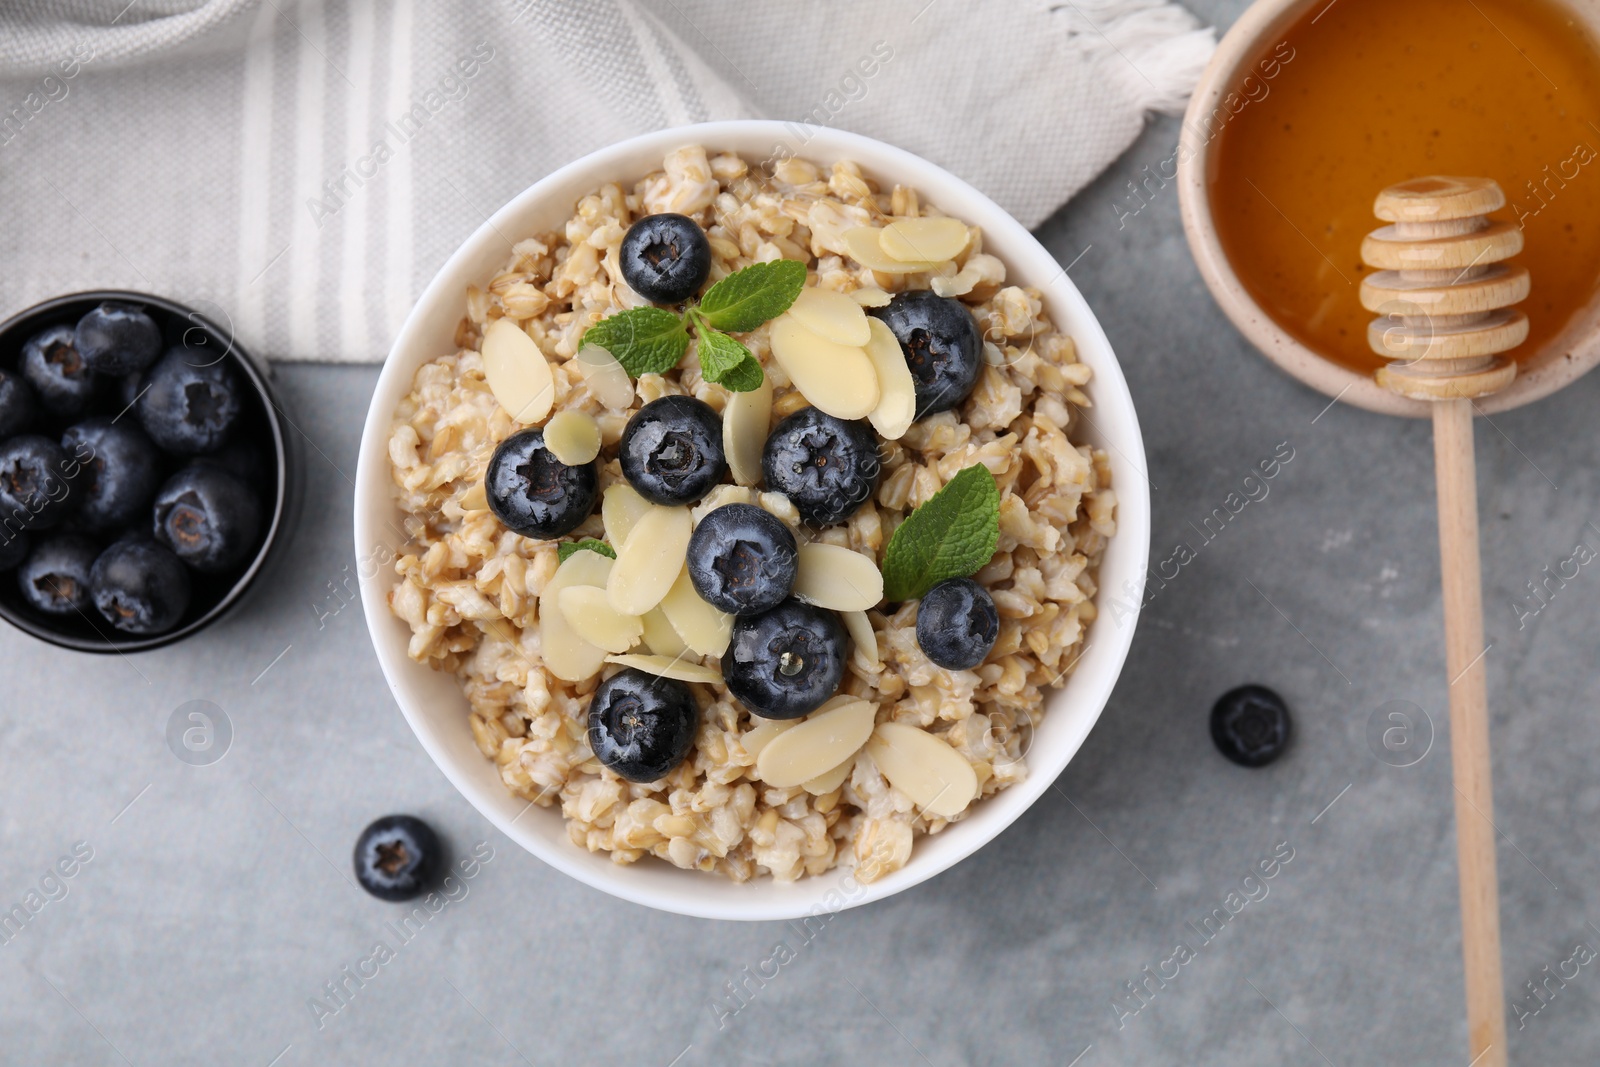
(950, 536)
(567, 549)
(651, 340)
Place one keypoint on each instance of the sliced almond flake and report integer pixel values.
(761, 734)
(834, 378)
(620, 507)
(831, 314)
(935, 776)
(684, 670)
(924, 240)
(573, 437)
(828, 781)
(897, 392)
(818, 745)
(705, 629)
(659, 636)
(871, 297)
(566, 655)
(862, 243)
(592, 618)
(517, 371)
(604, 376)
(859, 627)
(839, 578)
(475, 498)
(649, 560)
(745, 422)
(962, 283)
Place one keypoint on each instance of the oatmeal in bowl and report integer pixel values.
(756, 510)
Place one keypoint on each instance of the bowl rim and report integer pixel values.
(1566, 357)
(262, 388)
(1099, 664)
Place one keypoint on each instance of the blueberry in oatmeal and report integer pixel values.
(533, 492)
(55, 577)
(62, 379)
(827, 466)
(641, 725)
(396, 857)
(140, 587)
(1250, 725)
(665, 257)
(786, 662)
(742, 559)
(117, 338)
(942, 346)
(671, 451)
(957, 624)
(207, 517)
(190, 401)
(120, 472)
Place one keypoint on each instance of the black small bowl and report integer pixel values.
(262, 422)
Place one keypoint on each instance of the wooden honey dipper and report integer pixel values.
(1445, 295)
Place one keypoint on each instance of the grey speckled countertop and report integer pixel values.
(216, 900)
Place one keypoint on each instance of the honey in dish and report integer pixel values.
(1362, 94)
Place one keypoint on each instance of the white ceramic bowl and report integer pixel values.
(433, 702)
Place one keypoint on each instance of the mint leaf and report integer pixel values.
(567, 548)
(747, 298)
(646, 340)
(950, 536)
(726, 361)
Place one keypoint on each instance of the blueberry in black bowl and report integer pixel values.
(117, 338)
(191, 400)
(1250, 725)
(665, 258)
(14, 548)
(35, 483)
(957, 624)
(671, 450)
(786, 662)
(140, 587)
(396, 857)
(826, 466)
(942, 345)
(120, 470)
(18, 404)
(641, 725)
(742, 559)
(209, 518)
(533, 492)
(60, 377)
(55, 577)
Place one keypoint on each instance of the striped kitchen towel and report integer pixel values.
(300, 170)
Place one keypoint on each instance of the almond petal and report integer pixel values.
(604, 376)
(871, 298)
(828, 781)
(832, 576)
(705, 629)
(517, 371)
(684, 670)
(745, 422)
(924, 240)
(859, 627)
(649, 560)
(865, 248)
(573, 437)
(659, 636)
(761, 734)
(835, 378)
(566, 655)
(935, 776)
(592, 618)
(831, 314)
(818, 745)
(620, 507)
(897, 399)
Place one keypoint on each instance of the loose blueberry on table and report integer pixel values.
(533, 492)
(671, 450)
(140, 587)
(1250, 725)
(786, 662)
(742, 559)
(641, 725)
(209, 518)
(55, 579)
(826, 466)
(942, 345)
(396, 858)
(957, 624)
(57, 371)
(665, 258)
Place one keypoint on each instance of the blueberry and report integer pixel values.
(140, 587)
(59, 375)
(191, 402)
(787, 661)
(942, 346)
(120, 472)
(397, 857)
(957, 624)
(127, 391)
(36, 487)
(641, 725)
(665, 258)
(533, 492)
(14, 548)
(118, 339)
(209, 518)
(18, 404)
(828, 467)
(55, 577)
(1250, 725)
(742, 559)
(671, 450)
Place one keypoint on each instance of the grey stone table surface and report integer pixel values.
(211, 905)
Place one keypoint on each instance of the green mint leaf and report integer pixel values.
(567, 548)
(647, 340)
(727, 362)
(951, 536)
(747, 298)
